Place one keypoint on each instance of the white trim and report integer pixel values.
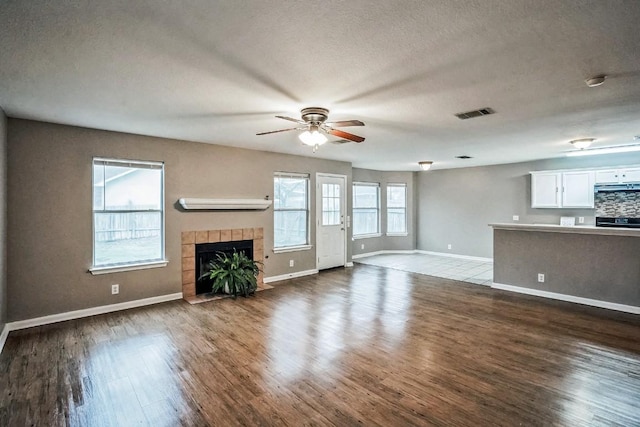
(569, 298)
(366, 236)
(130, 267)
(224, 204)
(292, 249)
(3, 336)
(397, 234)
(349, 264)
(87, 312)
(469, 257)
(397, 251)
(290, 275)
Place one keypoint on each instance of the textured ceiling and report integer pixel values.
(218, 72)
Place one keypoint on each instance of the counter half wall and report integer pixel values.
(590, 265)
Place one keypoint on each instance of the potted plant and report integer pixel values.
(234, 274)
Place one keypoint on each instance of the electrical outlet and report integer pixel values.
(580, 220)
(362, 246)
(541, 277)
(115, 289)
(516, 217)
(291, 263)
(449, 246)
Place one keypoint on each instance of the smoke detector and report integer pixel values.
(595, 81)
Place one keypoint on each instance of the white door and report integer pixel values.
(577, 189)
(544, 190)
(630, 175)
(331, 234)
(607, 177)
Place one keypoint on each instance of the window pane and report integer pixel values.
(127, 237)
(290, 193)
(396, 196)
(290, 228)
(365, 221)
(365, 196)
(129, 188)
(98, 187)
(396, 221)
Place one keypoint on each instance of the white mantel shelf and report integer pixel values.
(578, 229)
(224, 204)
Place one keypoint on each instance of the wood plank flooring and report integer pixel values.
(359, 346)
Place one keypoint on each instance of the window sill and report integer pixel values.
(292, 249)
(397, 234)
(129, 267)
(367, 236)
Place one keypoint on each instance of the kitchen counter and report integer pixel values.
(578, 229)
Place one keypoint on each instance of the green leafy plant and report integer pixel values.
(234, 273)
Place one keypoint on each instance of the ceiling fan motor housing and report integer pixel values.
(314, 115)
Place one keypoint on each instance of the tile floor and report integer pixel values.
(478, 272)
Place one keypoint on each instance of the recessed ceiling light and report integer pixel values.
(425, 166)
(595, 80)
(582, 143)
(605, 150)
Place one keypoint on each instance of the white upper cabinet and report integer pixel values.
(615, 176)
(577, 189)
(545, 190)
(562, 189)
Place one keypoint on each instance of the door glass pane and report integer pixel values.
(330, 204)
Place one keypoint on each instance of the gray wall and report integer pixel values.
(49, 214)
(603, 268)
(3, 219)
(384, 242)
(455, 205)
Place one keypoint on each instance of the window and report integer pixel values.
(128, 213)
(366, 209)
(397, 209)
(290, 210)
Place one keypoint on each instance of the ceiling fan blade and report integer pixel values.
(344, 123)
(339, 141)
(291, 119)
(345, 135)
(276, 131)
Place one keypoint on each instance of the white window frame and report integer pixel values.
(406, 225)
(378, 232)
(307, 246)
(135, 265)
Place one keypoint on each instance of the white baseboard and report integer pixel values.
(569, 298)
(398, 251)
(349, 264)
(290, 276)
(3, 336)
(77, 314)
(469, 257)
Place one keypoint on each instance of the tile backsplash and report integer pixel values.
(618, 204)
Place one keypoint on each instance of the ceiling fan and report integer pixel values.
(315, 127)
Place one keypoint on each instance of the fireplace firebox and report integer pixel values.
(207, 252)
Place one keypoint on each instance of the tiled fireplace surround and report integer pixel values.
(191, 238)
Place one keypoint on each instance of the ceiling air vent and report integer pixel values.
(475, 113)
(464, 157)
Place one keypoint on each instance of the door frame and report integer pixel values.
(343, 196)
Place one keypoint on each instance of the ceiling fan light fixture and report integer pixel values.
(312, 138)
(582, 143)
(425, 165)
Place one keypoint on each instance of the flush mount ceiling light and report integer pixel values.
(605, 150)
(595, 80)
(582, 143)
(425, 166)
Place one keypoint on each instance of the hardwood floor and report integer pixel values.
(360, 346)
